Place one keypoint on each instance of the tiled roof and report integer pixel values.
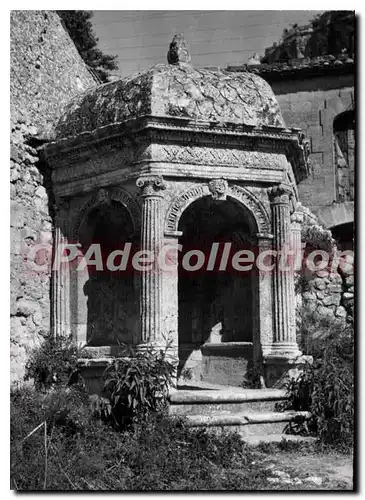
(300, 68)
(177, 91)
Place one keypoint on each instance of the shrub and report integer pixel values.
(160, 454)
(326, 389)
(53, 363)
(139, 384)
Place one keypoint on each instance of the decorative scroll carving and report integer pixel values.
(151, 185)
(296, 218)
(280, 194)
(218, 188)
(241, 194)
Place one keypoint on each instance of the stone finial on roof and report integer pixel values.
(178, 51)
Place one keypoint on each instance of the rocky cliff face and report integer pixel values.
(46, 72)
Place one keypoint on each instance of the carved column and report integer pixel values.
(284, 341)
(296, 239)
(60, 278)
(263, 325)
(151, 300)
(170, 277)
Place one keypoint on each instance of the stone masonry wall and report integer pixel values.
(46, 71)
(312, 105)
(324, 295)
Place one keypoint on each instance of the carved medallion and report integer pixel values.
(218, 188)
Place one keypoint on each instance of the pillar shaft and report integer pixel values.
(263, 301)
(296, 240)
(284, 341)
(60, 283)
(151, 300)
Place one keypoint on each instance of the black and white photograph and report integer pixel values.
(182, 250)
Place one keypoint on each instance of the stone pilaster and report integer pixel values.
(151, 301)
(60, 289)
(296, 239)
(263, 323)
(284, 341)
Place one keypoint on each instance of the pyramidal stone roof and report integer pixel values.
(175, 89)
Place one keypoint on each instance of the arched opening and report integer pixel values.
(216, 300)
(344, 153)
(344, 235)
(107, 299)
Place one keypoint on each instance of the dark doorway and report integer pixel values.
(215, 306)
(112, 301)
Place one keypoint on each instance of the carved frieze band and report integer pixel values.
(104, 196)
(218, 189)
(102, 162)
(200, 155)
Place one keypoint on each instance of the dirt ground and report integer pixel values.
(335, 469)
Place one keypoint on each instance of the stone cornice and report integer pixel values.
(134, 141)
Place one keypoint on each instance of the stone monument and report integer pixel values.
(177, 155)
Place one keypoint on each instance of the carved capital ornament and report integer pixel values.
(218, 189)
(151, 185)
(280, 194)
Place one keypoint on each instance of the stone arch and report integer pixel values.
(238, 193)
(101, 196)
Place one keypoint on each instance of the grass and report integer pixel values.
(81, 452)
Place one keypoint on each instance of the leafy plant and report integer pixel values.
(53, 363)
(139, 384)
(326, 389)
(80, 28)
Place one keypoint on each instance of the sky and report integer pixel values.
(141, 39)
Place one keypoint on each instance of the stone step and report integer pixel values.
(247, 424)
(216, 399)
(223, 419)
(256, 439)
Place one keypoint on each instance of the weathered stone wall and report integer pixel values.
(46, 71)
(312, 104)
(324, 295)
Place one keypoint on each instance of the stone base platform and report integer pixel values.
(225, 363)
(278, 370)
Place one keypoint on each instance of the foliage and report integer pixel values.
(326, 389)
(53, 363)
(84, 453)
(79, 26)
(333, 32)
(139, 384)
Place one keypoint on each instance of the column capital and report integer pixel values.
(151, 185)
(280, 194)
(296, 218)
